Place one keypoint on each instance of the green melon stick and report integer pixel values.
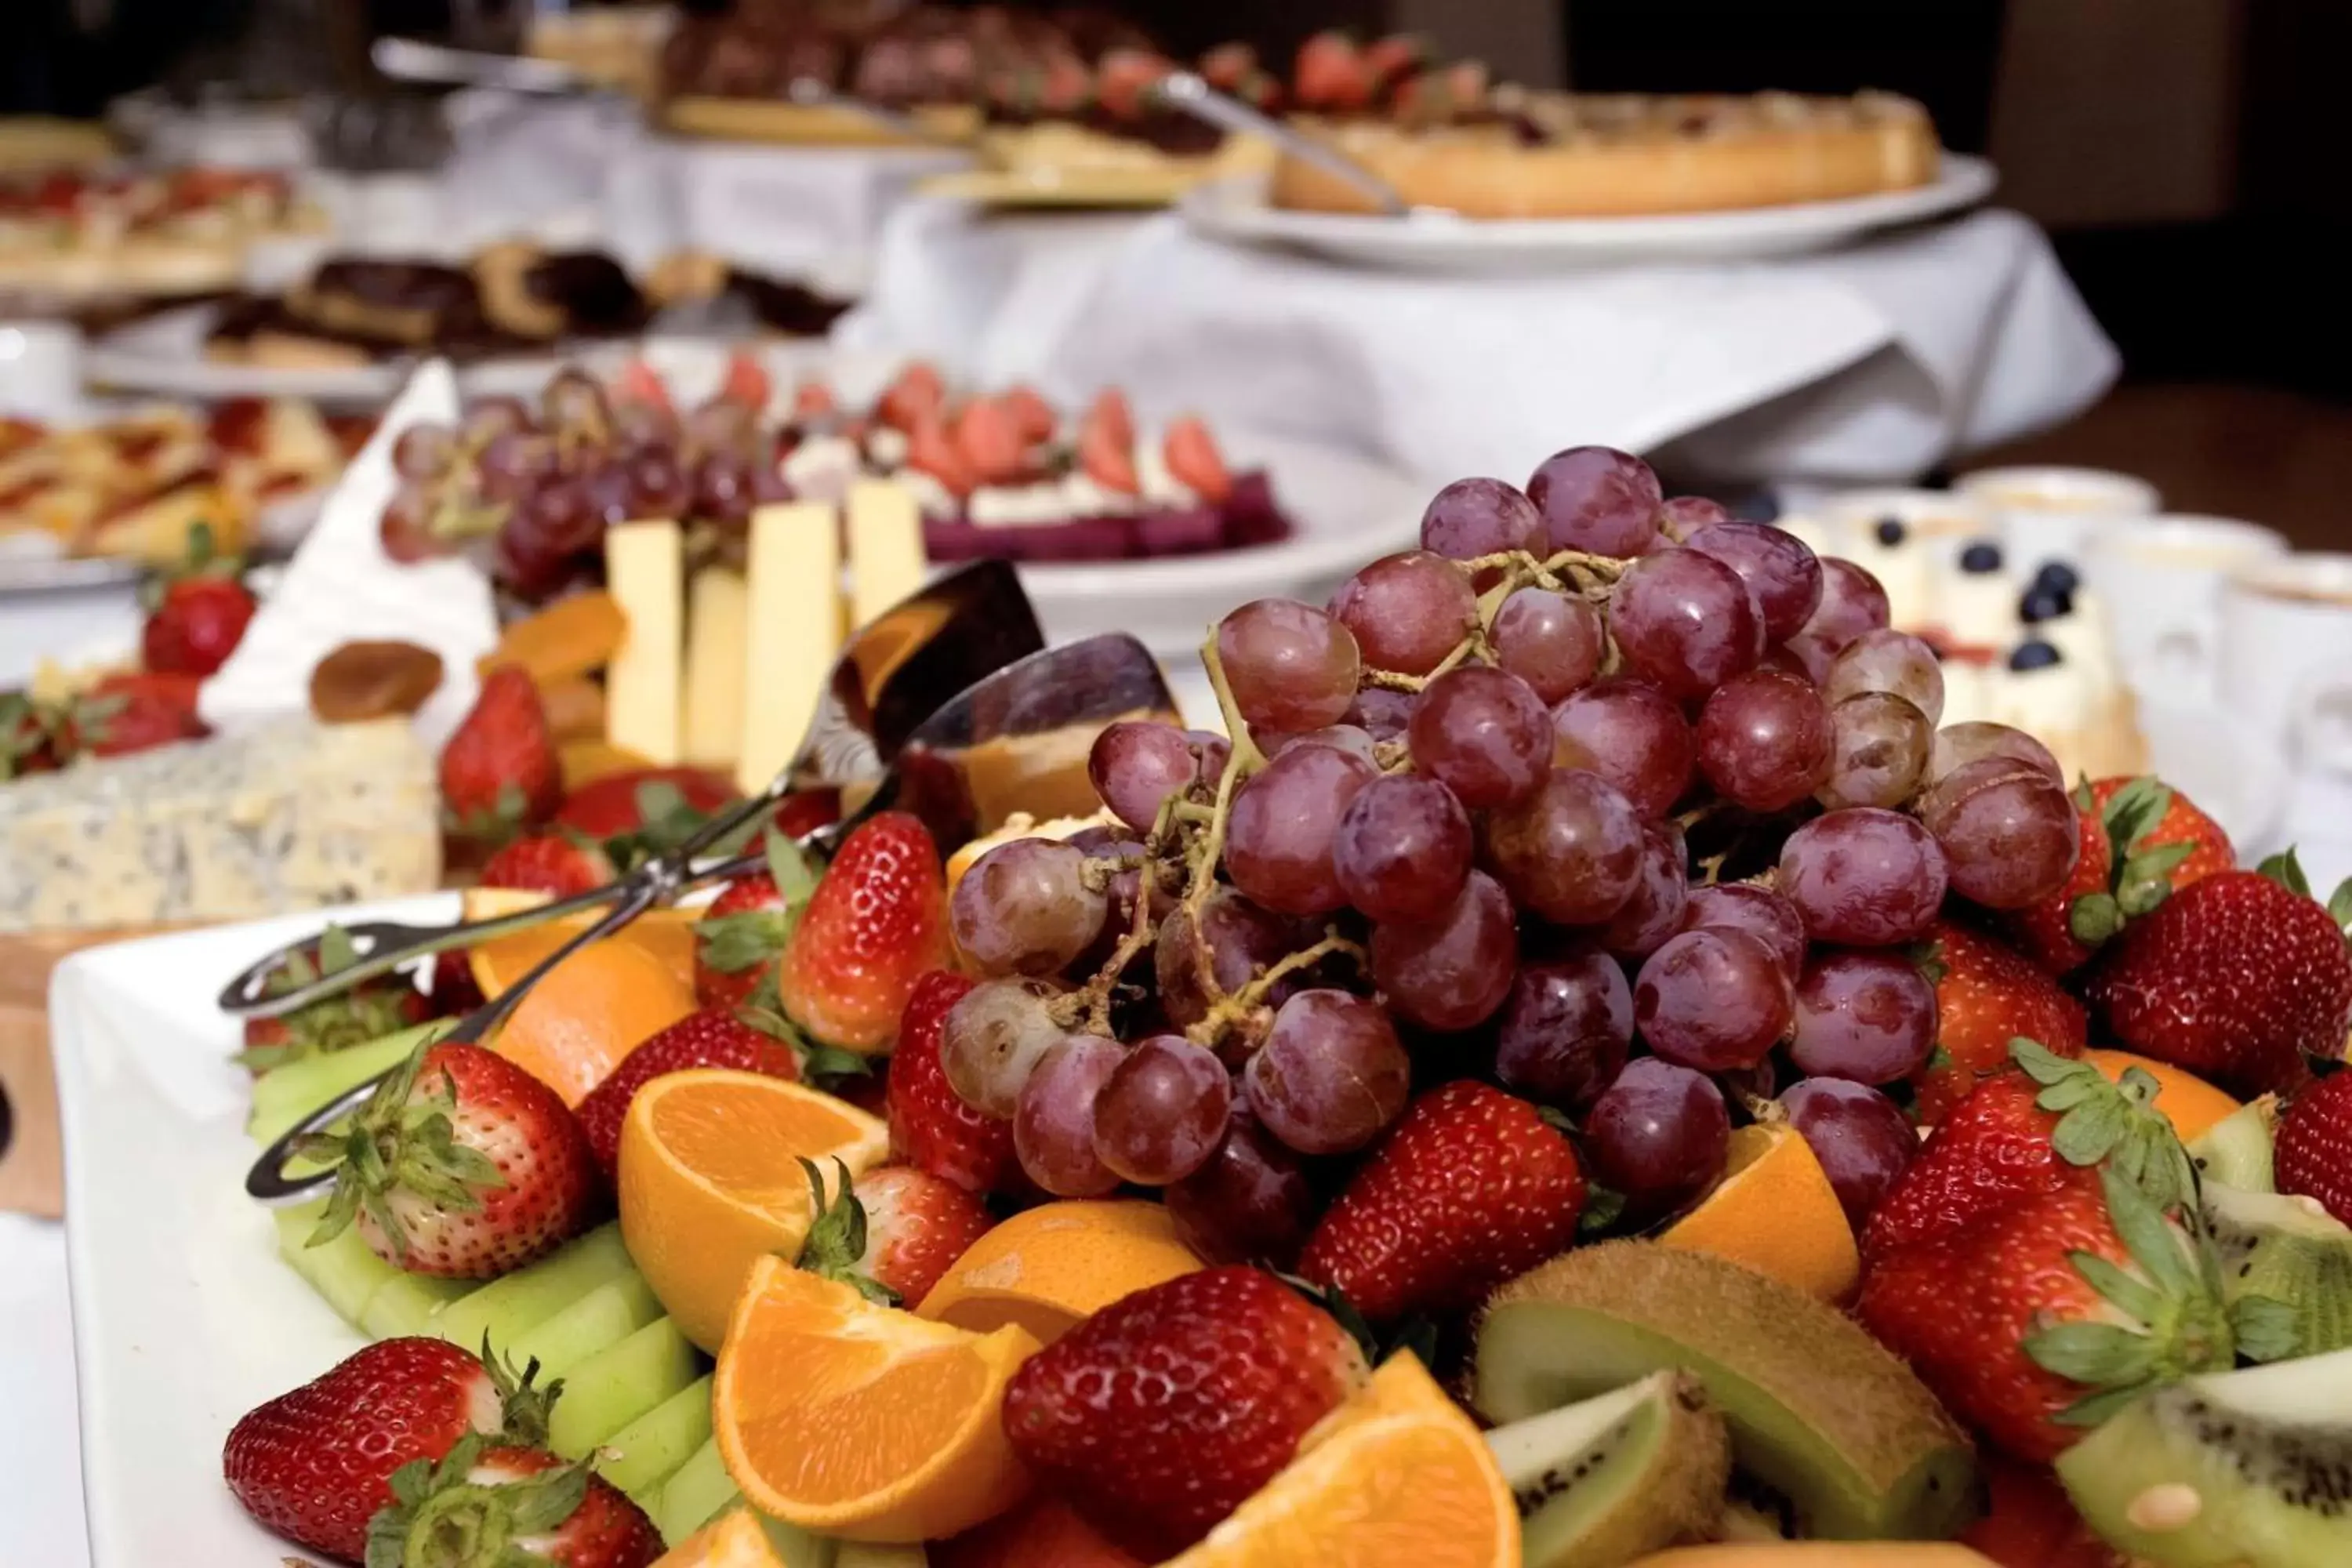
(283, 1096)
(612, 1388)
(342, 1270)
(596, 1321)
(647, 1452)
(407, 1303)
(508, 1308)
(693, 1496)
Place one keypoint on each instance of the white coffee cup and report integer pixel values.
(2285, 657)
(2046, 513)
(2162, 580)
(40, 371)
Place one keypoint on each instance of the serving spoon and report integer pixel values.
(1190, 92)
(1018, 737)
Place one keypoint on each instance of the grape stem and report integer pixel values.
(1245, 752)
(1591, 576)
(1229, 1010)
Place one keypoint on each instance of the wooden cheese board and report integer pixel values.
(32, 1178)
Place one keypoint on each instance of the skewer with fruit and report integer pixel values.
(1584, 995)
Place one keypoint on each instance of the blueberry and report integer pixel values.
(1983, 556)
(2034, 654)
(1891, 531)
(2044, 603)
(2057, 574)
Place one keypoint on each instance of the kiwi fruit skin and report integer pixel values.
(2237, 1469)
(2289, 1250)
(1616, 1477)
(1817, 1409)
(2236, 1151)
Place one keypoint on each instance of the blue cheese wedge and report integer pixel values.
(291, 815)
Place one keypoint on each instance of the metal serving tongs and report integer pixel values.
(1190, 92)
(1018, 738)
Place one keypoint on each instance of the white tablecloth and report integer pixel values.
(40, 1439)
(1875, 362)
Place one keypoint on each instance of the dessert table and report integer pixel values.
(1875, 362)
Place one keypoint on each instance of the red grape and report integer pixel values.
(1862, 1139)
(1382, 713)
(1659, 1135)
(1402, 849)
(1451, 972)
(1243, 938)
(1885, 660)
(1331, 1075)
(1024, 907)
(1758, 911)
(1290, 665)
(2009, 832)
(1653, 910)
(1053, 1125)
(1713, 999)
(1685, 621)
(726, 488)
(1865, 877)
(1597, 500)
(1566, 1029)
(424, 452)
(1162, 1111)
(1551, 641)
(659, 486)
(1866, 1013)
(1347, 737)
(576, 406)
(1135, 766)
(1279, 832)
(1784, 576)
(991, 1040)
(1471, 518)
(1679, 517)
(1959, 744)
(1878, 751)
(1407, 611)
(1572, 852)
(1252, 1203)
(1851, 604)
(487, 418)
(1483, 735)
(406, 527)
(1764, 741)
(1631, 735)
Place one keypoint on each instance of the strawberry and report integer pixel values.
(988, 433)
(2029, 1522)
(27, 737)
(743, 931)
(1110, 414)
(2036, 1322)
(1331, 75)
(1124, 80)
(1394, 57)
(132, 711)
(195, 624)
(876, 920)
(639, 383)
(1987, 995)
(1042, 1533)
(1159, 1414)
(549, 863)
(461, 1166)
(2239, 978)
(747, 382)
(1472, 1187)
(713, 1038)
(500, 775)
(1228, 66)
(2314, 1152)
(1032, 415)
(916, 394)
(315, 1464)
(2018, 1136)
(660, 804)
(369, 1011)
(931, 1127)
(1192, 456)
(892, 1233)
(451, 986)
(505, 1504)
(813, 399)
(931, 449)
(2142, 841)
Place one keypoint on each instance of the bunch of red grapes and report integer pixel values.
(535, 490)
(1462, 830)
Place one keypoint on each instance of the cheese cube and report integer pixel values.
(795, 630)
(885, 548)
(718, 615)
(644, 568)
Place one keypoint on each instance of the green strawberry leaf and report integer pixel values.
(789, 866)
(2287, 871)
(1603, 1206)
(824, 1065)
(1416, 1337)
(2133, 812)
(2101, 1355)
(2339, 906)
(2098, 1409)
(2094, 918)
(2134, 1297)
(2267, 1330)
(1927, 957)
(733, 943)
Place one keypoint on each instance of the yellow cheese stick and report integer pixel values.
(645, 567)
(718, 620)
(886, 547)
(795, 632)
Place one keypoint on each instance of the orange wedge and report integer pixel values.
(711, 1180)
(1775, 1212)
(862, 1421)
(2188, 1101)
(1820, 1555)
(667, 933)
(572, 1029)
(1050, 1268)
(1397, 1477)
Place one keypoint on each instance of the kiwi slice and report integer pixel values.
(2286, 1272)
(1818, 1410)
(1616, 1477)
(2236, 1150)
(2233, 1469)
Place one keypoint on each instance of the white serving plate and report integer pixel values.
(1236, 210)
(184, 1317)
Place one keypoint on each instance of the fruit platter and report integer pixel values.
(1581, 1067)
